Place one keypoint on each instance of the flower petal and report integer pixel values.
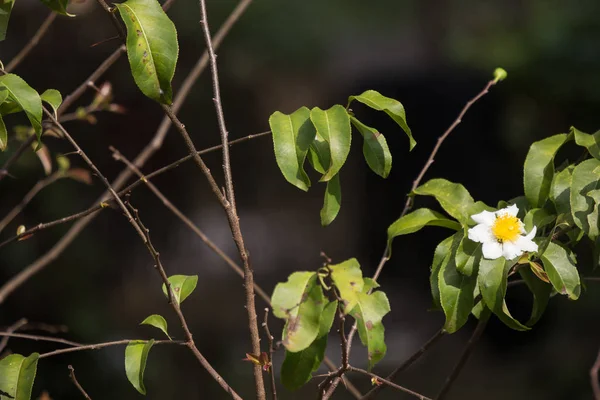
(531, 234)
(510, 210)
(511, 250)
(491, 250)
(484, 217)
(481, 233)
(526, 244)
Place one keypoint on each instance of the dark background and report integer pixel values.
(432, 56)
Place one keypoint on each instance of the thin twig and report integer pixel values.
(76, 383)
(15, 157)
(594, 378)
(483, 319)
(35, 39)
(115, 21)
(389, 383)
(11, 329)
(40, 338)
(411, 360)
(98, 346)
(271, 366)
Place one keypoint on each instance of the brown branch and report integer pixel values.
(15, 156)
(464, 356)
(11, 329)
(373, 392)
(98, 346)
(120, 181)
(13, 334)
(115, 21)
(389, 383)
(76, 383)
(594, 378)
(33, 42)
(271, 366)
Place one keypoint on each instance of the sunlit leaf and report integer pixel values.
(375, 149)
(5, 9)
(559, 264)
(157, 321)
(292, 135)
(319, 155)
(136, 355)
(182, 286)
(390, 106)
(590, 142)
(442, 254)
(560, 191)
(3, 135)
(539, 168)
(52, 97)
(453, 197)
(468, 256)
(332, 202)
(333, 125)
(347, 278)
(17, 374)
(24, 98)
(584, 181)
(152, 47)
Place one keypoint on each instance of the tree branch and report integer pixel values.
(271, 367)
(33, 42)
(390, 384)
(76, 383)
(11, 329)
(594, 378)
(98, 346)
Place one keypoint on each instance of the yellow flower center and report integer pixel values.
(506, 228)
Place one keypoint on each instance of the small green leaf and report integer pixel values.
(560, 191)
(300, 302)
(332, 202)
(297, 368)
(17, 374)
(492, 285)
(590, 142)
(584, 181)
(3, 135)
(453, 197)
(292, 136)
(417, 220)
(468, 256)
(375, 149)
(182, 286)
(52, 97)
(24, 98)
(560, 267)
(539, 168)
(136, 355)
(5, 9)
(347, 278)
(157, 321)
(537, 217)
(152, 47)
(333, 125)
(58, 6)
(441, 255)
(541, 294)
(319, 155)
(393, 108)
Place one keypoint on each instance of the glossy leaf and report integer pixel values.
(3, 135)
(368, 314)
(24, 98)
(560, 191)
(417, 220)
(584, 181)
(375, 149)
(468, 256)
(297, 368)
(157, 321)
(292, 135)
(319, 155)
(347, 278)
(453, 197)
(541, 294)
(152, 47)
(52, 97)
(492, 285)
(590, 142)
(5, 9)
(441, 255)
(332, 202)
(539, 168)
(560, 267)
(136, 355)
(333, 125)
(393, 108)
(17, 374)
(182, 286)
(58, 6)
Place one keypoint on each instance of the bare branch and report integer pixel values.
(11, 329)
(76, 383)
(99, 346)
(32, 42)
(390, 384)
(271, 367)
(13, 334)
(594, 378)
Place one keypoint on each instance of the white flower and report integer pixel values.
(501, 233)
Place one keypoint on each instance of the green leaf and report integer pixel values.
(453, 197)
(58, 6)
(347, 278)
(590, 142)
(136, 355)
(584, 181)
(393, 108)
(24, 98)
(3, 135)
(182, 286)
(5, 9)
(560, 191)
(333, 125)
(152, 47)
(300, 302)
(319, 155)
(292, 136)
(560, 267)
(416, 220)
(539, 168)
(368, 314)
(332, 202)
(492, 285)
(52, 97)
(441, 255)
(297, 368)
(456, 293)
(541, 294)
(537, 217)
(17, 374)
(468, 256)
(375, 149)
(157, 321)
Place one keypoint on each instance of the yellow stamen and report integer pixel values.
(506, 228)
